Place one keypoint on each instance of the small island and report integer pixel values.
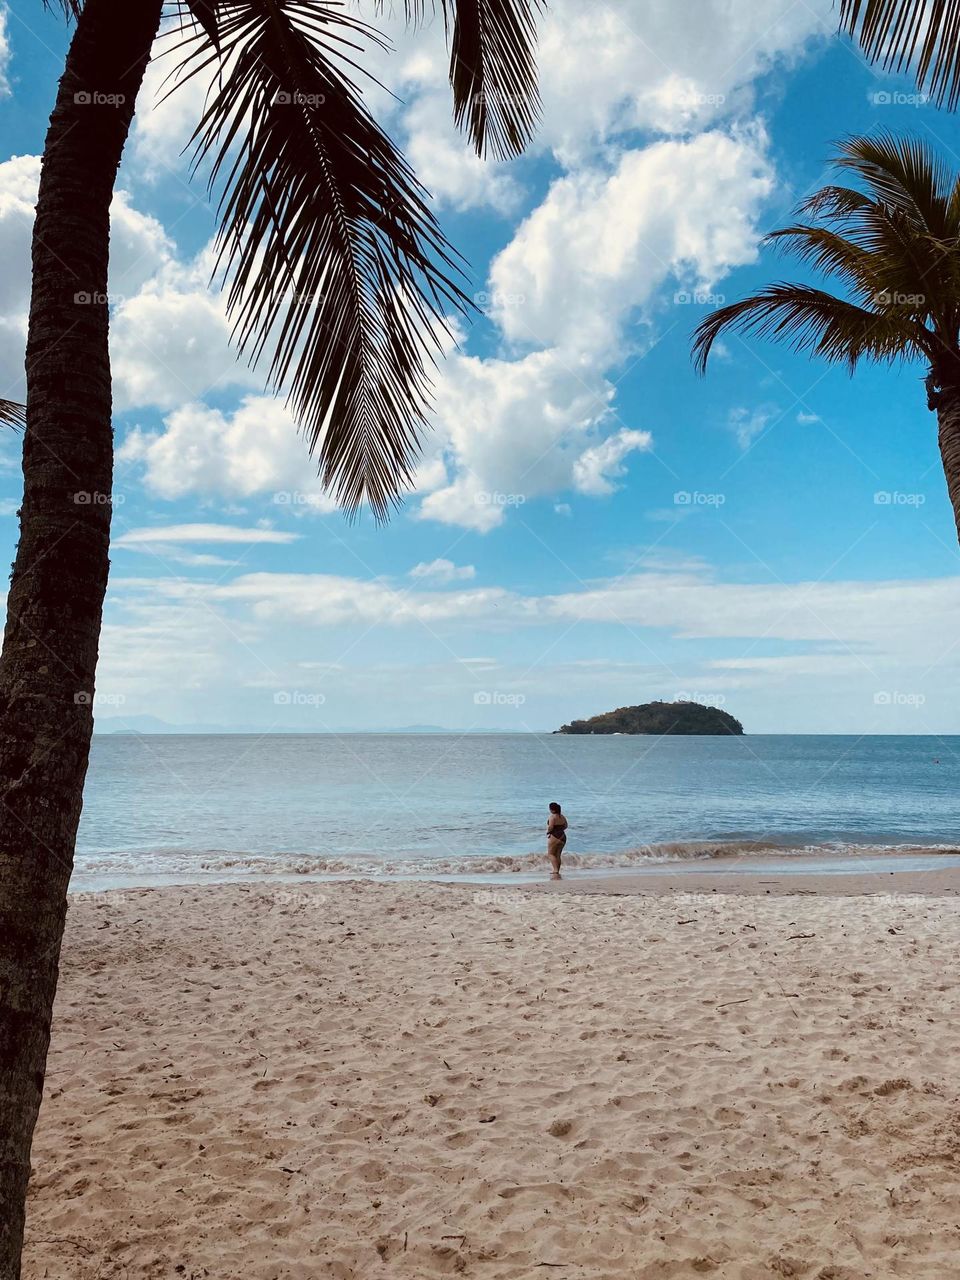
(659, 718)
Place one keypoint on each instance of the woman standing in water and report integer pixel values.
(556, 838)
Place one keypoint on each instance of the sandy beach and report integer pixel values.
(361, 1080)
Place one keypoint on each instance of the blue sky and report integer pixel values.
(593, 524)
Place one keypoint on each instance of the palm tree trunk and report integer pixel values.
(50, 645)
(947, 404)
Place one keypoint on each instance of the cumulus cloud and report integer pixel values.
(586, 262)
(204, 451)
(170, 344)
(597, 468)
(510, 431)
(443, 571)
(139, 248)
(612, 68)
(602, 243)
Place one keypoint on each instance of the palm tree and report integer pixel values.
(893, 242)
(337, 274)
(918, 35)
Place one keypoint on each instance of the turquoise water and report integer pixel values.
(236, 806)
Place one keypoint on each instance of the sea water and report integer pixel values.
(169, 808)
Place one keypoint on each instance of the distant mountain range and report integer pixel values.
(148, 725)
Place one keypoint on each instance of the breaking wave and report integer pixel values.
(223, 865)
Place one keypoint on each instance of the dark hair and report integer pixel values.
(554, 807)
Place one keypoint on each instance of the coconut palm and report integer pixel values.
(893, 243)
(922, 36)
(337, 279)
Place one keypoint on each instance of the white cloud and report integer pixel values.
(5, 52)
(139, 248)
(880, 625)
(585, 263)
(209, 533)
(510, 431)
(602, 243)
(749, 424)
(614, 67)
(443, 571)
(595, 471)
(203, 451)
(170, 345)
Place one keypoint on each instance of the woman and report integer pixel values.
(556, 838)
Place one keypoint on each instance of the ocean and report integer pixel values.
(192, 808)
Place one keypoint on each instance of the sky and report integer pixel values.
(593, 525)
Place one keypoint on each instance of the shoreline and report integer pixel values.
(847, 874)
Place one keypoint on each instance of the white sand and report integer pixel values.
(420, 1081)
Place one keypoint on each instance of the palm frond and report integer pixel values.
(812, 320)
(69, 8)
(493, 73)
(903, 173)
(334, 263)
(493, 69)
(831, 253)
(204, 13)
(13, 414)
(920, 36)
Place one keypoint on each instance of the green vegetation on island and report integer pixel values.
(659, 718)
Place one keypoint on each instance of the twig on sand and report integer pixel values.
(800, 935)
(789, 995)
(727, 1002)
(63, 1240)
(563, 1264)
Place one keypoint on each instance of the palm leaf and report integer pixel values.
(493, 69)
(13, 414)
(812, 320)
(922, 36)
(493, 74)
(832, 253)
(69, 8)
(904, 174)
(333, 261)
